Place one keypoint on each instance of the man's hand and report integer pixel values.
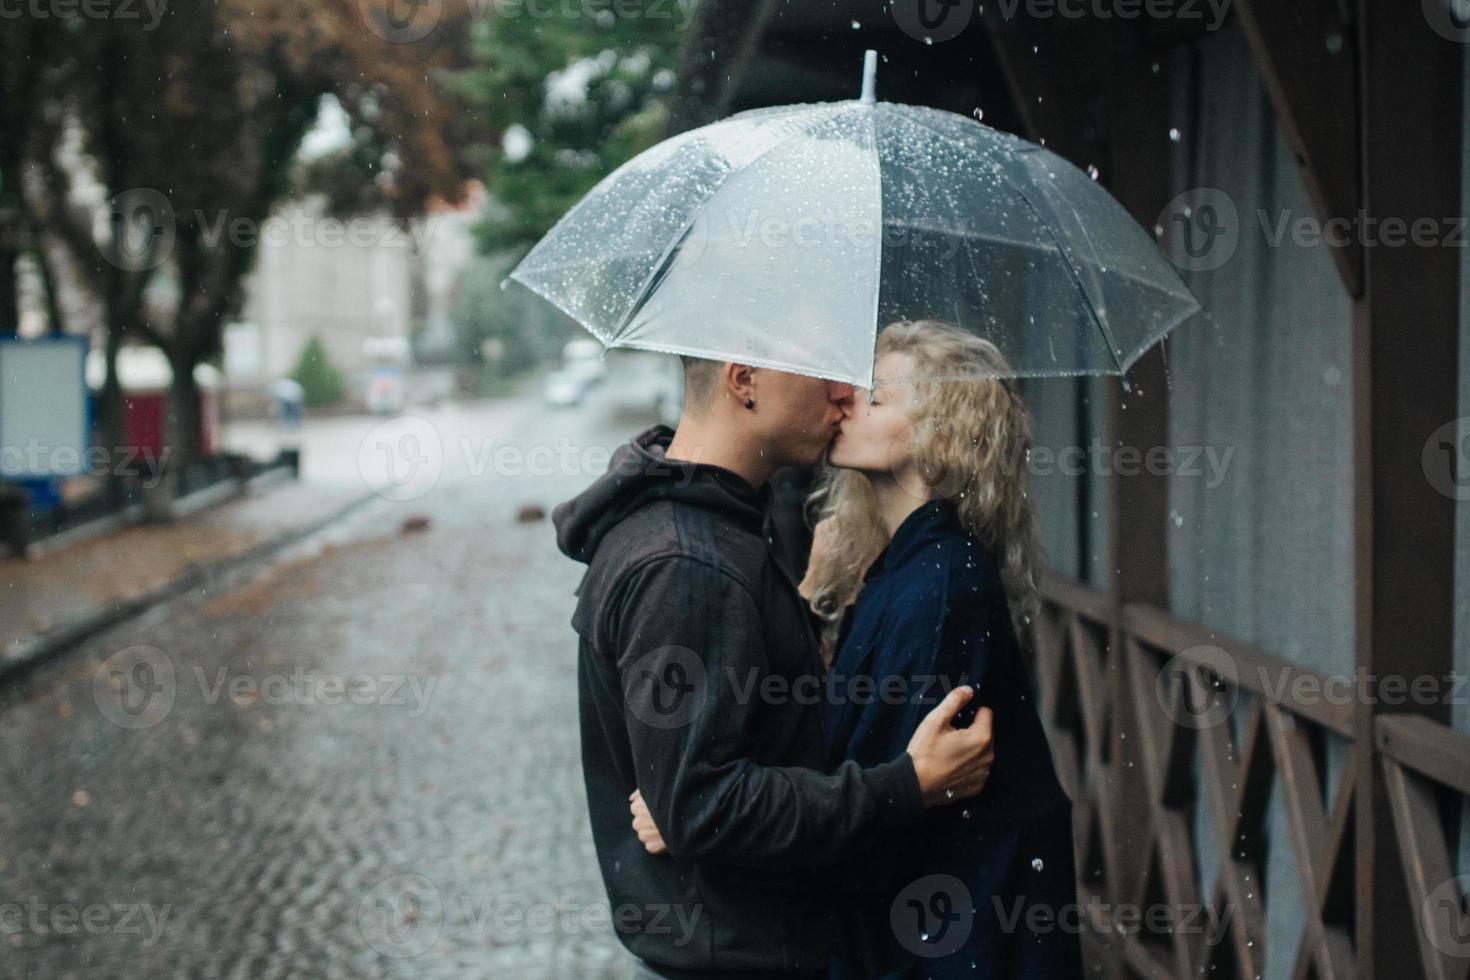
(653, 842)
(952, 763)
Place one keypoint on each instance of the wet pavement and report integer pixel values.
(359, 760)
(41, 597)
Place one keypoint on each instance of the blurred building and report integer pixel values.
(372, 288)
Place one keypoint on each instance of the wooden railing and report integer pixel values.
(1216, 726)
(1423, 764)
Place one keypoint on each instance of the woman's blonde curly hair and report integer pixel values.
(972, 444)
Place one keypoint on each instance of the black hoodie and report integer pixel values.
(698, 675)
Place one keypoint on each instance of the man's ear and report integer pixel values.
(739, 382)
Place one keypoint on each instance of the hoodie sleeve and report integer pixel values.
(690, 656)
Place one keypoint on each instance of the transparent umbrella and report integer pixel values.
(787, 237)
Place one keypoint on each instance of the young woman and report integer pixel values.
(921, 568)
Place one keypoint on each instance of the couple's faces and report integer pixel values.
(808, 417)
(876, 434)
(798, 415)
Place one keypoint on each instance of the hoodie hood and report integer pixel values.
(638, 475)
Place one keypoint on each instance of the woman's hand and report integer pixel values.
(653, 841)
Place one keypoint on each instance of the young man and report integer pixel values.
(699, 681)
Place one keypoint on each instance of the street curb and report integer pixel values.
(78, 631)
(133, 515)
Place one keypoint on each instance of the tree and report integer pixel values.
(192, 129)
(574, 97)
(320, 381)
(27, 46)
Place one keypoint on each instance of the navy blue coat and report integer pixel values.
(986, 887)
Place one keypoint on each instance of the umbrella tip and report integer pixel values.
(870, 77)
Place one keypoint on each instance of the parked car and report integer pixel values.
(564, 389)
(584, 359)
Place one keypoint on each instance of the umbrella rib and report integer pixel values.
(909, 117)
(1076, 280)
(557, 302)
(1034, 246)
(670, 145)
(975, 235)
(1000, 171)
(653, 279)
(872, 119)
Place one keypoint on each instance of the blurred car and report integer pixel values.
(589, 371)
(564, 389)
(584, 359)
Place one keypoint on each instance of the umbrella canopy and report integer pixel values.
(787, 237)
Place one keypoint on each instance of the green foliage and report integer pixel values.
(320, 381)
(527, 329)
(617, 62)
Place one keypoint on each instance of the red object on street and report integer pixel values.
(146, 422)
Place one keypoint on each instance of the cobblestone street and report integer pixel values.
(358, 761)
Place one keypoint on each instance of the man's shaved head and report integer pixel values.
(701, 382)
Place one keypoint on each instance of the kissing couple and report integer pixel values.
(905, 822)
